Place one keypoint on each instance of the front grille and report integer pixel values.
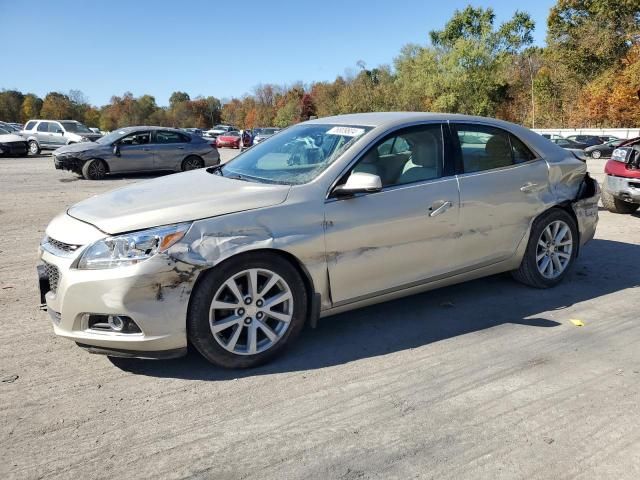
(62, 247)
(54, 276)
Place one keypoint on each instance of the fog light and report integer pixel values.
(116, 323)
(110, 323)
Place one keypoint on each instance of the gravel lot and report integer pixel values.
(488, 379)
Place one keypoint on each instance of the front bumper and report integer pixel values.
(70, 163)
(154, 294)
(626, 189)
(14, 148)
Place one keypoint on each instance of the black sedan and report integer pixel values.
(605, 150)
(568, 143)
(12, 144)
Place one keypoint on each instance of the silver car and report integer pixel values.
(261, 134)
(52, 134)
(137, 149)
(327, 216)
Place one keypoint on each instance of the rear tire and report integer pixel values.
(192, 162)
(614, 205)
(94, 170)
(596, 154)
(548, 245)
(34, 148)
(229, 347)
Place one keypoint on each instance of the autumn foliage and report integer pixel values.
(587, 75)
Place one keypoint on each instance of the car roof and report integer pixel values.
(391, 119)
(148, 127)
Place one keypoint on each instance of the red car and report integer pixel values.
(621, 189)
(229, 139)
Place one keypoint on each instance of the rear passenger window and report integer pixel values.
(520, 151)
(30, 125)
(43, 127)
(170, 137)
(486, 148)
(410, 155)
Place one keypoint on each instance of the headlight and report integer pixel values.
(620, 154)
(130, 248)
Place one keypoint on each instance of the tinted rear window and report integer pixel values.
(30, 125)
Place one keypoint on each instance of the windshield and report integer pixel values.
(75, 127)
(296, 155)
(112, 137)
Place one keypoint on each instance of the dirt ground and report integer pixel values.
(488, 379)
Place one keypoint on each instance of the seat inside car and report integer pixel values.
(423, 163)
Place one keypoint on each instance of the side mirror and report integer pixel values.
(359, 182)
(116, 149)
(60, 131)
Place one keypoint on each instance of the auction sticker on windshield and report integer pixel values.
(346, 131)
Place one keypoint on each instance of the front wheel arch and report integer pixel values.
(283, 255)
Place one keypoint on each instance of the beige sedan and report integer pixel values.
(327, 216)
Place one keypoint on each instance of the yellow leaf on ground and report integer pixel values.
(576, 322)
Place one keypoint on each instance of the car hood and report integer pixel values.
(77, 147)
(175, 198)
(10, 137)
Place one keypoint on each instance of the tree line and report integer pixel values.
(587, 75)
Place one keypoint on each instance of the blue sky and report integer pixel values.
(108, 47)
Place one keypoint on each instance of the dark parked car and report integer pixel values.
(12, 144)
(137, 149)
(589, 140)
(569, 144)
(603, 151)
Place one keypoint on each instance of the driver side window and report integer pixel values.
(413, 154)
(136, 138)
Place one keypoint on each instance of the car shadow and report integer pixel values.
(604, 267)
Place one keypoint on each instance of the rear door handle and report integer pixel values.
(529, 187)
(439, 207)
(146, 149)
(180, 148)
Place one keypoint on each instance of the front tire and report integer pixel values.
(551, 250)
(247, 310)
(94, 170)
(615, 205)
(596, 154)
(34, 148)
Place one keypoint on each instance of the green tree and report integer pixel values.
(10, 105)
(178, 97)
(57, 106)
(589, 36)
(31, 106)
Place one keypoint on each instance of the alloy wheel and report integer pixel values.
(596, 154)
(97, 170)
(192, 164)
(251, 311)
(33, 148)
(553, 252)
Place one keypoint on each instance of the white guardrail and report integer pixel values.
(616, 132)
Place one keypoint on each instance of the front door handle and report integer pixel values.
(146, 149)
(529, 187)
(439, 207)
(180, 148)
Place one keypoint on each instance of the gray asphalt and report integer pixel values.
(488, 379)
